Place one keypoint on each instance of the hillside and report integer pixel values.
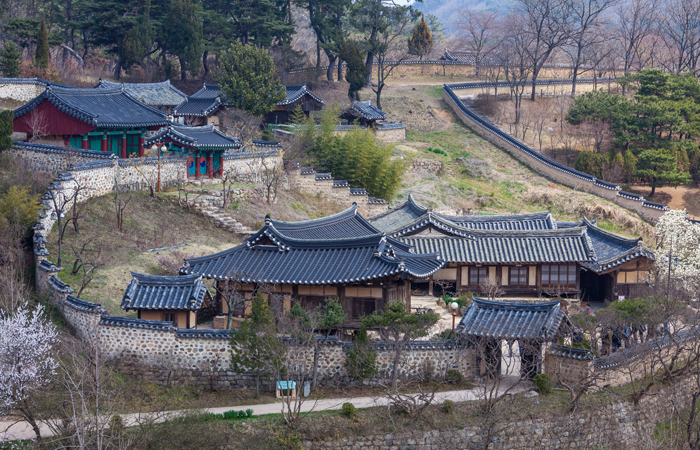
(445, 10)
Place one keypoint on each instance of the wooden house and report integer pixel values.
(204, 147)
(162, 298)
(163, 96)
(363, 113)
(340, 256)
(108, 120)
(297, 95)
(523, 254)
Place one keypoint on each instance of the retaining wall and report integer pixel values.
(22, 89)
(544, 166)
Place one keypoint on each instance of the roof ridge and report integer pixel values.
(590, 226)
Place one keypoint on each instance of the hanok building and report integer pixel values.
(340, 256)
(524, 255)
(170, 299)
(108, 120)
(486, 324)
(469, 57)
(363, 113)
(163, 96)
(204, 147)
(297, 95)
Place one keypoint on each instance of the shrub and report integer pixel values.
(349, 410)
(453, 376)
(437, 151)
(249, 413)
(447, 406)
(361, 361)
(543, 383)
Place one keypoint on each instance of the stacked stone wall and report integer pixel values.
(20, 89)
(649, 211)
(617, 425)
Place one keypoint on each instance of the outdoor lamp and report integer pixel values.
(164, 148)
(61, 215)
(454, 306)
(53, 215)
(155, 147)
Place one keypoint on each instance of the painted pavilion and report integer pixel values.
(204, 147)
(108, 120)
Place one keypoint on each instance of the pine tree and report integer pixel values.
(357, 71)
(6, 119)
(182, 36)
(659, 168)
(42, 46)
(421, 43)
(9, 60)
(247, 79)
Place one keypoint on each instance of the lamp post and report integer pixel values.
(159, 147)
(454, 307)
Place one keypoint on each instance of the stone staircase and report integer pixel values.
(222, 219)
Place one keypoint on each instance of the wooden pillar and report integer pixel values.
(124, 145)
(430, 286)
(210, 165)
(221, 165)
(196, 166)
(84, 144)
(104, 142)
(66, 141)
(141, 150)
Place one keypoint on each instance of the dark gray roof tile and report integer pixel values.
(196, 137)
(164, 293)
(152, 94)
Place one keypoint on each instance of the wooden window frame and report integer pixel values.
(365, 312)
(518, 270)
(478, 270)
(548, 269)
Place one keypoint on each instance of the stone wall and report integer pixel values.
(426, 165)
(307, 180)
(391, 134)
(548, 168)
(616, 425)
(21, 89)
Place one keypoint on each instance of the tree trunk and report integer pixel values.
(331, 66)
(257, 383)
(340, 69)
(183, 71)
(379, 95)
(205, 56)
(118, 69)
(653, 190)
(397, 359)
(315, 374)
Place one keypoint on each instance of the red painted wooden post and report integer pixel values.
(66, 141)
(104, 142)
(84, 144)
(196, 167)
(141, 146)
(221, 165)
(124, 146)
(210, 165)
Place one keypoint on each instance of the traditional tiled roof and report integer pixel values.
(209, 91)
(468, 57)
(108, 108)
(434, 221)
(347, 224)
(517, 247)
(297, 91)
(164, 293)
(204, 333)
(43, 148)
(580, 354)
(153, 94)
(32, 81)
(612, 250)
(535, 221)
(365, 110)
(271, 257)
(82, 305)
(510, 320)
(196, 137)
(127, 322)
(396, 218)
(197, 106)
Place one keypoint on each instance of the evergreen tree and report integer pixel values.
(658, 168)
(6, 119)
(9, 60)
(137, 40)
(255, 344)
(181, 35)
(421, 42)
(262, 22)
(356, 71)
(247, 79)
(42, 46)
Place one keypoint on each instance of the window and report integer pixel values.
(478, 275)
(170, 317)
(75, 142)
(558, 275)
(363, 307)
(132, 144)
(311, 302)
(518, 276)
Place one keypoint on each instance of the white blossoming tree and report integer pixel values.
(677, 248)
(27, 341)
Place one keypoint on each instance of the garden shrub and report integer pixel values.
(453, 376)
(543, 383)
(349, 410)
(447, 406)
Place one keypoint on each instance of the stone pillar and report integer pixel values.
(104, 142)
(196, 166)
(221, 165)
(141, 145)
(123, 145)
(210, 165)
(84, 144)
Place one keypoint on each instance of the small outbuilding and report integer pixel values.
(363, 113)
(164, 298)
(297, 95)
